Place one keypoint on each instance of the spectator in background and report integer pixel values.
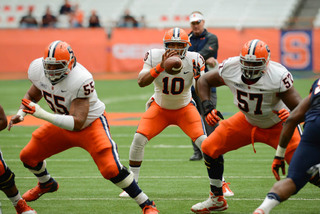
(76, 17)
(66, 8)
(127, 20)
(29, 21)
(49, 20)
(142, 22)
(206, 44)
(94, 19)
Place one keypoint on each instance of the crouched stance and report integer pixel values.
(79, 121)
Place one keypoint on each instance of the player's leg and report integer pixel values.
(152, 122)
(216, 201)
(231, 134)
(298, 171)
(105, 155)
(45, 142)
(197, 154)
(8, 186)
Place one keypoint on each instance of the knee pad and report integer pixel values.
(7, 179)
(137, 147)
(123, 179)
(199, 141)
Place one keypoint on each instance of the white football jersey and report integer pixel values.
(77, 84)
(258, 100)
(172, 91)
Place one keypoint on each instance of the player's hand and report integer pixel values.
(213, 117)
(283, 114)
(14, 120)
(168, 53)
(196, 69)
(278, 162)
(32, 108)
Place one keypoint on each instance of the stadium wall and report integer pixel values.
(124, 50)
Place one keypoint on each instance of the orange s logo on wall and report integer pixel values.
(296, 50)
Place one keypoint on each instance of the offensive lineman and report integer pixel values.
(79, 120)
(171, 103)
(263, 91)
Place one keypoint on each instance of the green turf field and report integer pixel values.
(167, 175)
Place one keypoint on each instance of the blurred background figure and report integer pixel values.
(206, 44)
(66, 8)
(76, 17)
(49, 20)
(127, 20)
(94, 19)
(29, 21)
(142, 22)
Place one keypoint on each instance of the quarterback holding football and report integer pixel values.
(171, 103)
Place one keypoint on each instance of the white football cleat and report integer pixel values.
(213, 203)
(124, 194)
(259, 211)
(226, 189)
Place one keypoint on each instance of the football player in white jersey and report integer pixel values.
(79, 120)
(171, 103)
(264, 93)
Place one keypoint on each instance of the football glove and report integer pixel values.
(196, 69)
(283, 114)
(35, 110)
(278, 162)
(212, 116)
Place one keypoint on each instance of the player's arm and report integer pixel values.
(206, 81)
(3, 119)
(33, 94)
(79, 110)
(291, 98)
(295, 118)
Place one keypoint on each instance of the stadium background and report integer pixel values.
(292, 35)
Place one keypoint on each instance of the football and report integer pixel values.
(173, 65)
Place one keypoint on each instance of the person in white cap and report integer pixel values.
(206, 44)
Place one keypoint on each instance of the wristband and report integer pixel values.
(156, 71)
(207, 106)
(280, 151)
(21, 114)
(64, 121)
(60, 120)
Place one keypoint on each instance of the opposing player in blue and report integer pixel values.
(305, 163)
